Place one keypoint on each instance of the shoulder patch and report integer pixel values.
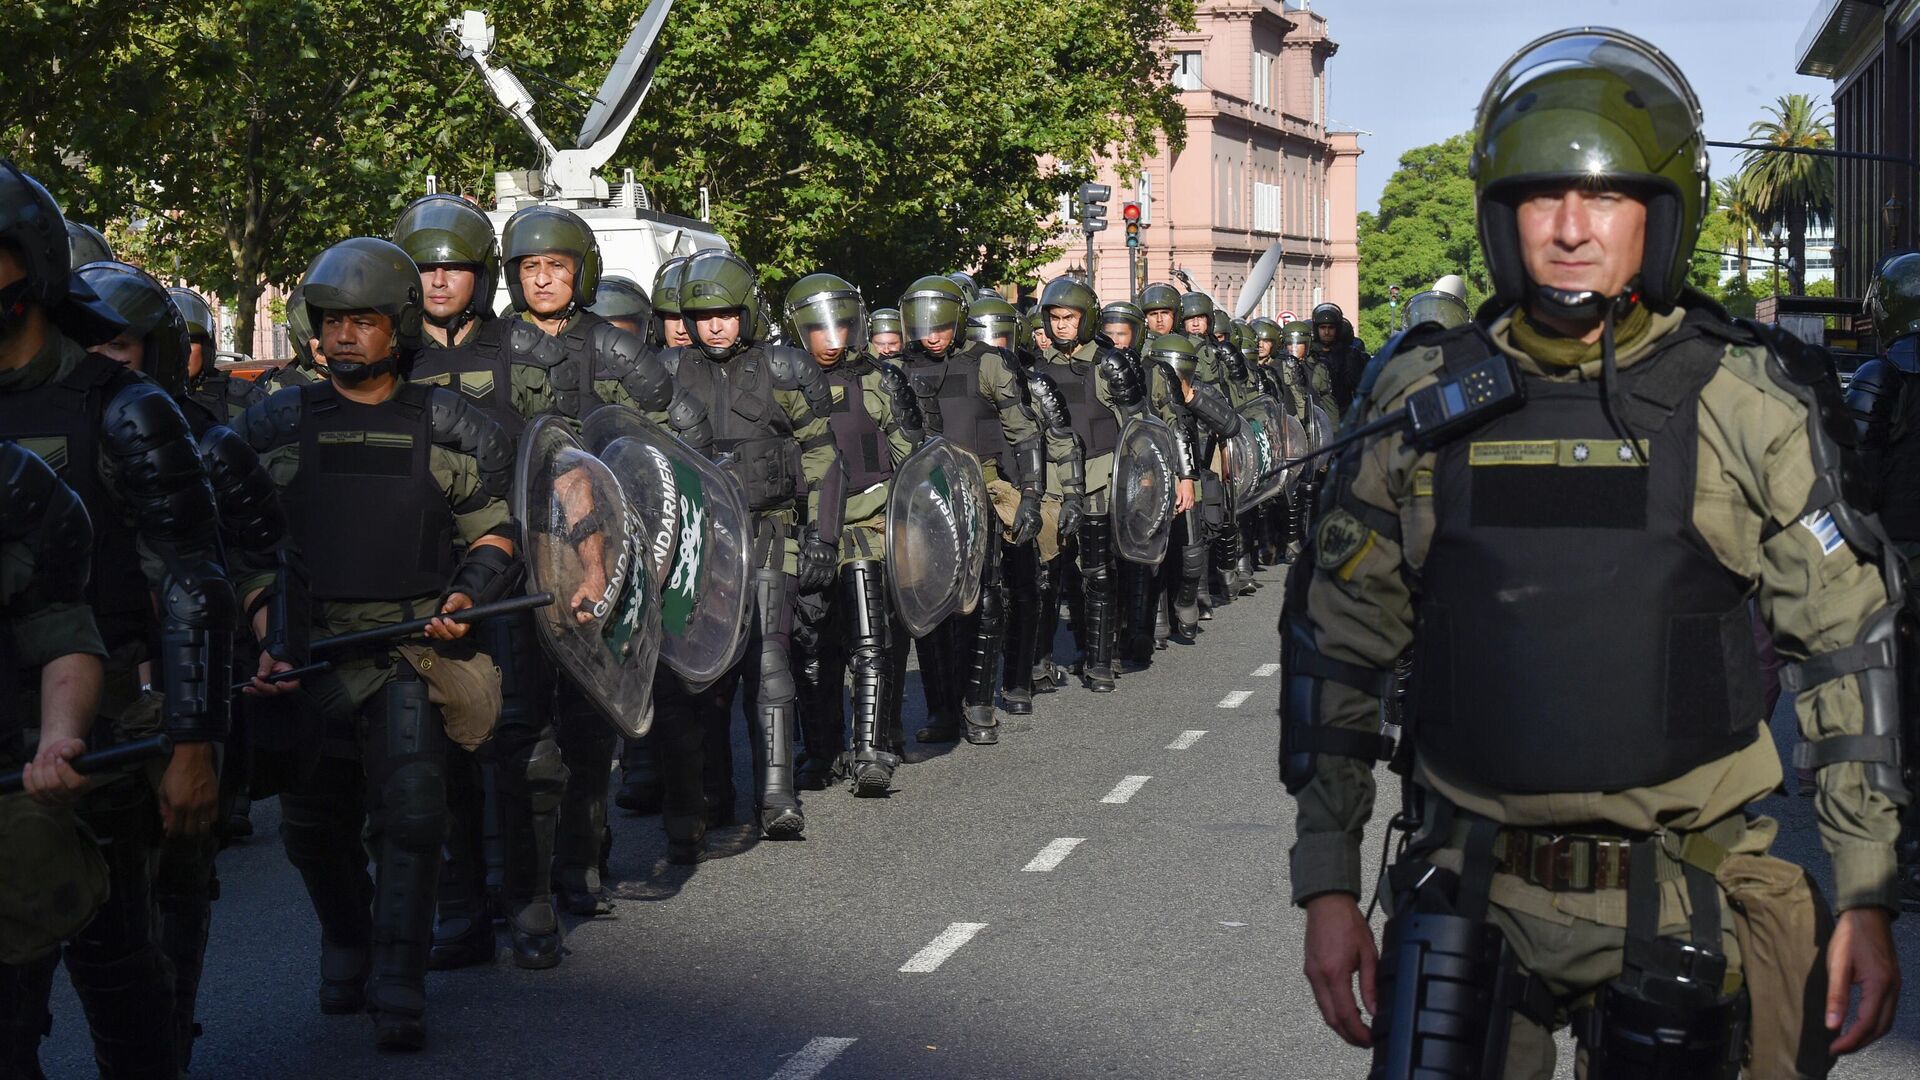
(1339, 539)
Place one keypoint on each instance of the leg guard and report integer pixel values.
(639, 776)
(530, 779)
(405, 754)
(129, 1007)
(183, 895)
(116, 969)
(772, 710)
(463, 927)
(24, 1017)
(819, 668)
(869, 627)
(937, 684)
(1045, 675)
(320, 827)
(587, 746)
(1097, 590)
(1141, 600)
(1022, 575)
(983, 652)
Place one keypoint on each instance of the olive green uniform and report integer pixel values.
(1754, 481)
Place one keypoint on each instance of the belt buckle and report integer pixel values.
(1569, 863)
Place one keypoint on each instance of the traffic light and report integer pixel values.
(1093, 206)
(1130, 213)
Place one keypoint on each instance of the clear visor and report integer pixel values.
(1660, 89)
(929, 314)
(1436, 307)
(998, 331)
(830, 322)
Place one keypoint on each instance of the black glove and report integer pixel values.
(1072, 508)
(818, 561)
(1026, 518)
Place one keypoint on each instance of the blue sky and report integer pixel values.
(1411, 71)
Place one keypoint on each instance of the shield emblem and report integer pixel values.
(1144, 476)
(1268, 421)
(697, 532)
(926, 545)
(582, 539)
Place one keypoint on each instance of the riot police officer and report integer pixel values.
(1586, 727)
(994, 323)
(669, 329)
(1160, 308)
(125, 449)
(354, 456)
(1335, 347)
(305, 366)
(886, 338)
(87, 244)
(1201, 416)
(770, 409)
(876, 424)
(219, 392)
(622, 302)
(1885, 400)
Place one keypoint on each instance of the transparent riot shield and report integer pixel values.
(1144, 479)
(926, 551)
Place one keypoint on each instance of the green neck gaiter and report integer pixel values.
(1553, 349)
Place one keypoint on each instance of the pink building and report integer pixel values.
(1260, 168)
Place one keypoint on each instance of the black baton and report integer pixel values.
(380, 635)
(136, 752)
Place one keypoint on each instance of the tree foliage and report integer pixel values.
(1424, 229)
(1791, 189)
(227, 141)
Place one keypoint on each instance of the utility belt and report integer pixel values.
(1450, 982)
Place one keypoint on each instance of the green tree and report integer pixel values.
(1792, 189)
(1423, 229)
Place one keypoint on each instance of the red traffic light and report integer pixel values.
(1130, 211)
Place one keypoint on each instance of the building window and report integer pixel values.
(1186, 71)
(1262, 79)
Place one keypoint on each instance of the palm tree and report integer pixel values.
(1734, 196)
(1792, 188)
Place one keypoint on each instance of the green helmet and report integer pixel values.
(1434, 306)
(1297, 333)
(932, 304)
(550, 230)
(198, 315)
(1030, 327)
(1160, 296)
(1075, 295)
(988, 292)
(447, 230)
(666, 285)
(1893, 297)
(1220, 323)
(620, 297)
(828, 306)
(885, 320)
(966, 283)
(1243, 336)
(364, 273)
(1599, 107)
(87, 245)
(150, 315)
(995, 322)
(718, 281)
(300, 333)
(1194, 303)
(1176, 350)
(1125, 313)
(1265, 329)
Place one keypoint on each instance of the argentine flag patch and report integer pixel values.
(1820, 524)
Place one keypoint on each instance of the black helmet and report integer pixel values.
(198, 315)
(550, 230)
(1327, 315)
(447, 230)
(365, 273)
(150, 315)
(621, 297)
(31, 221)
(1073, 294)
(1592, 106)
(88, 245)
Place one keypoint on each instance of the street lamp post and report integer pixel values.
(1893, 214)
(1776, 240)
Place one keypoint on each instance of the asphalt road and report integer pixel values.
(1102, 894)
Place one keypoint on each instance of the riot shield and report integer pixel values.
(1240, 456)
(1144, 476)
(1294, 446)
(1319, 426)
(1262, 414)
(926, 554)
(695, 520)
(977, 522)
(581, 539)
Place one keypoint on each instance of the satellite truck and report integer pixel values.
(635, 238)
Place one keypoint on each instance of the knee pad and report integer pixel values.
(414, 806)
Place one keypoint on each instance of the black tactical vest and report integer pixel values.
(480, 370)
(1899, 477)
(863, 446)
(1095, 425)
(967, 419)
(749, 427)
(1573, 630)
(60, 421)
(369, 517)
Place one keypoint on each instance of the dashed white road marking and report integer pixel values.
(1186, 739)
(1126, 789)
(1266, 671)
(1235, 699)
(948, 943)
(1052, 855)
(813, 1058)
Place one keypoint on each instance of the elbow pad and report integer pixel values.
(197, 613)
(1211, 409)
(465, 429)
(487, 574)
(1304, 670)
(1886, 644)
(250, 514)
(37, 507)
(159, 473)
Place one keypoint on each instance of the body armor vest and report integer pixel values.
(60, 421)
(1573, 630)
(479, 369)
(370, 519)
(1899, 478)
(749, 426)
(967, 419)
(1093, 423)
(862, 443)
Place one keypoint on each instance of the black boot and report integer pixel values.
(818, 671)
(531, 790)
(129, 1006)
(639, 777)
(686, 838)
(983, 655)
(24, 1019)
(321, 830)
(403, 942)
(778, 805)
(1023, 630)
(343, 978)
(587, 745)
(874, 757)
